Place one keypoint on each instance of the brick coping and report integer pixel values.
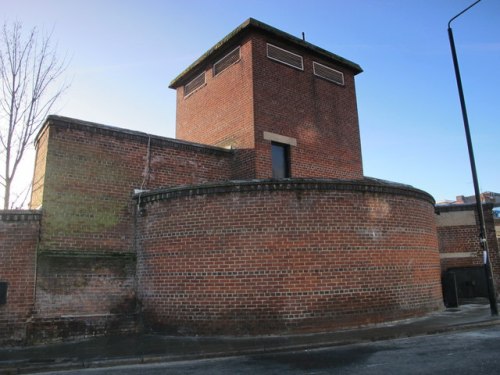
(20, 215)
(68, 122)
(365, 185)
(253, 24)
(462, 207)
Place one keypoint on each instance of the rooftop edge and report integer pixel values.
(252, 23)
(60, 120)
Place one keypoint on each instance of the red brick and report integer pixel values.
(19, 232)
(274, 260)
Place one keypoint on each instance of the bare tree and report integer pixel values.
(29, 70)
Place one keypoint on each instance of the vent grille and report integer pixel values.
(194, 84)
(285, 57)
(231, 58)
(329, 74)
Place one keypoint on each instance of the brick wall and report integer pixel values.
(90, 175)
(39, 171)
(458, 235)
(18, 240)
(221, 112)
(86, 175)
(263, 257)
(322, 116)
(83, 294)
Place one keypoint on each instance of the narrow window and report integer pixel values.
(280, 160)
(3, 292)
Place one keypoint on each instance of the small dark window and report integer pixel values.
(280, 160)
(3, 292)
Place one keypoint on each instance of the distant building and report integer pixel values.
(486, 197)
(460, 250)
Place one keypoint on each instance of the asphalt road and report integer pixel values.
(471, 352)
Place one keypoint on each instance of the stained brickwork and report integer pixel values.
(263, 257)
(86, 175)
(19, 232)
(92, 171)
(84, 294)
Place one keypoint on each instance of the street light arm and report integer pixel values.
(462, 12)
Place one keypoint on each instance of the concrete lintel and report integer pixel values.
(457, 255)
(280, 138)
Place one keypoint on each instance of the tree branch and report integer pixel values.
(29, 70)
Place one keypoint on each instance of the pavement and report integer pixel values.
(150, 348)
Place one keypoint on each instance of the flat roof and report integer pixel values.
(253, 24)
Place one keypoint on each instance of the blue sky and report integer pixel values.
(125, 53)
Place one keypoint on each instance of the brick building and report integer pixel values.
(257, 219)
(460, 250)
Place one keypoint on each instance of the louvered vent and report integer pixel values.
(329, 74)
(228, 60)
(285, 57)
(195, 83)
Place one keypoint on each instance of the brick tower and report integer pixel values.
(287, 106)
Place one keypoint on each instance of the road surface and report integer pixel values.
(472, 352)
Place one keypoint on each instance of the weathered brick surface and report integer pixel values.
(99, 284)
(83, 294)
(18, 240)
(45, 329)
(91, 173)
(267, 257)
(39, 172)
(465, 238)
(86, 175)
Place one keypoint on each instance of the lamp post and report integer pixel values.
(482, 232)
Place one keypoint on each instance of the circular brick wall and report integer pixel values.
(259, 257)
